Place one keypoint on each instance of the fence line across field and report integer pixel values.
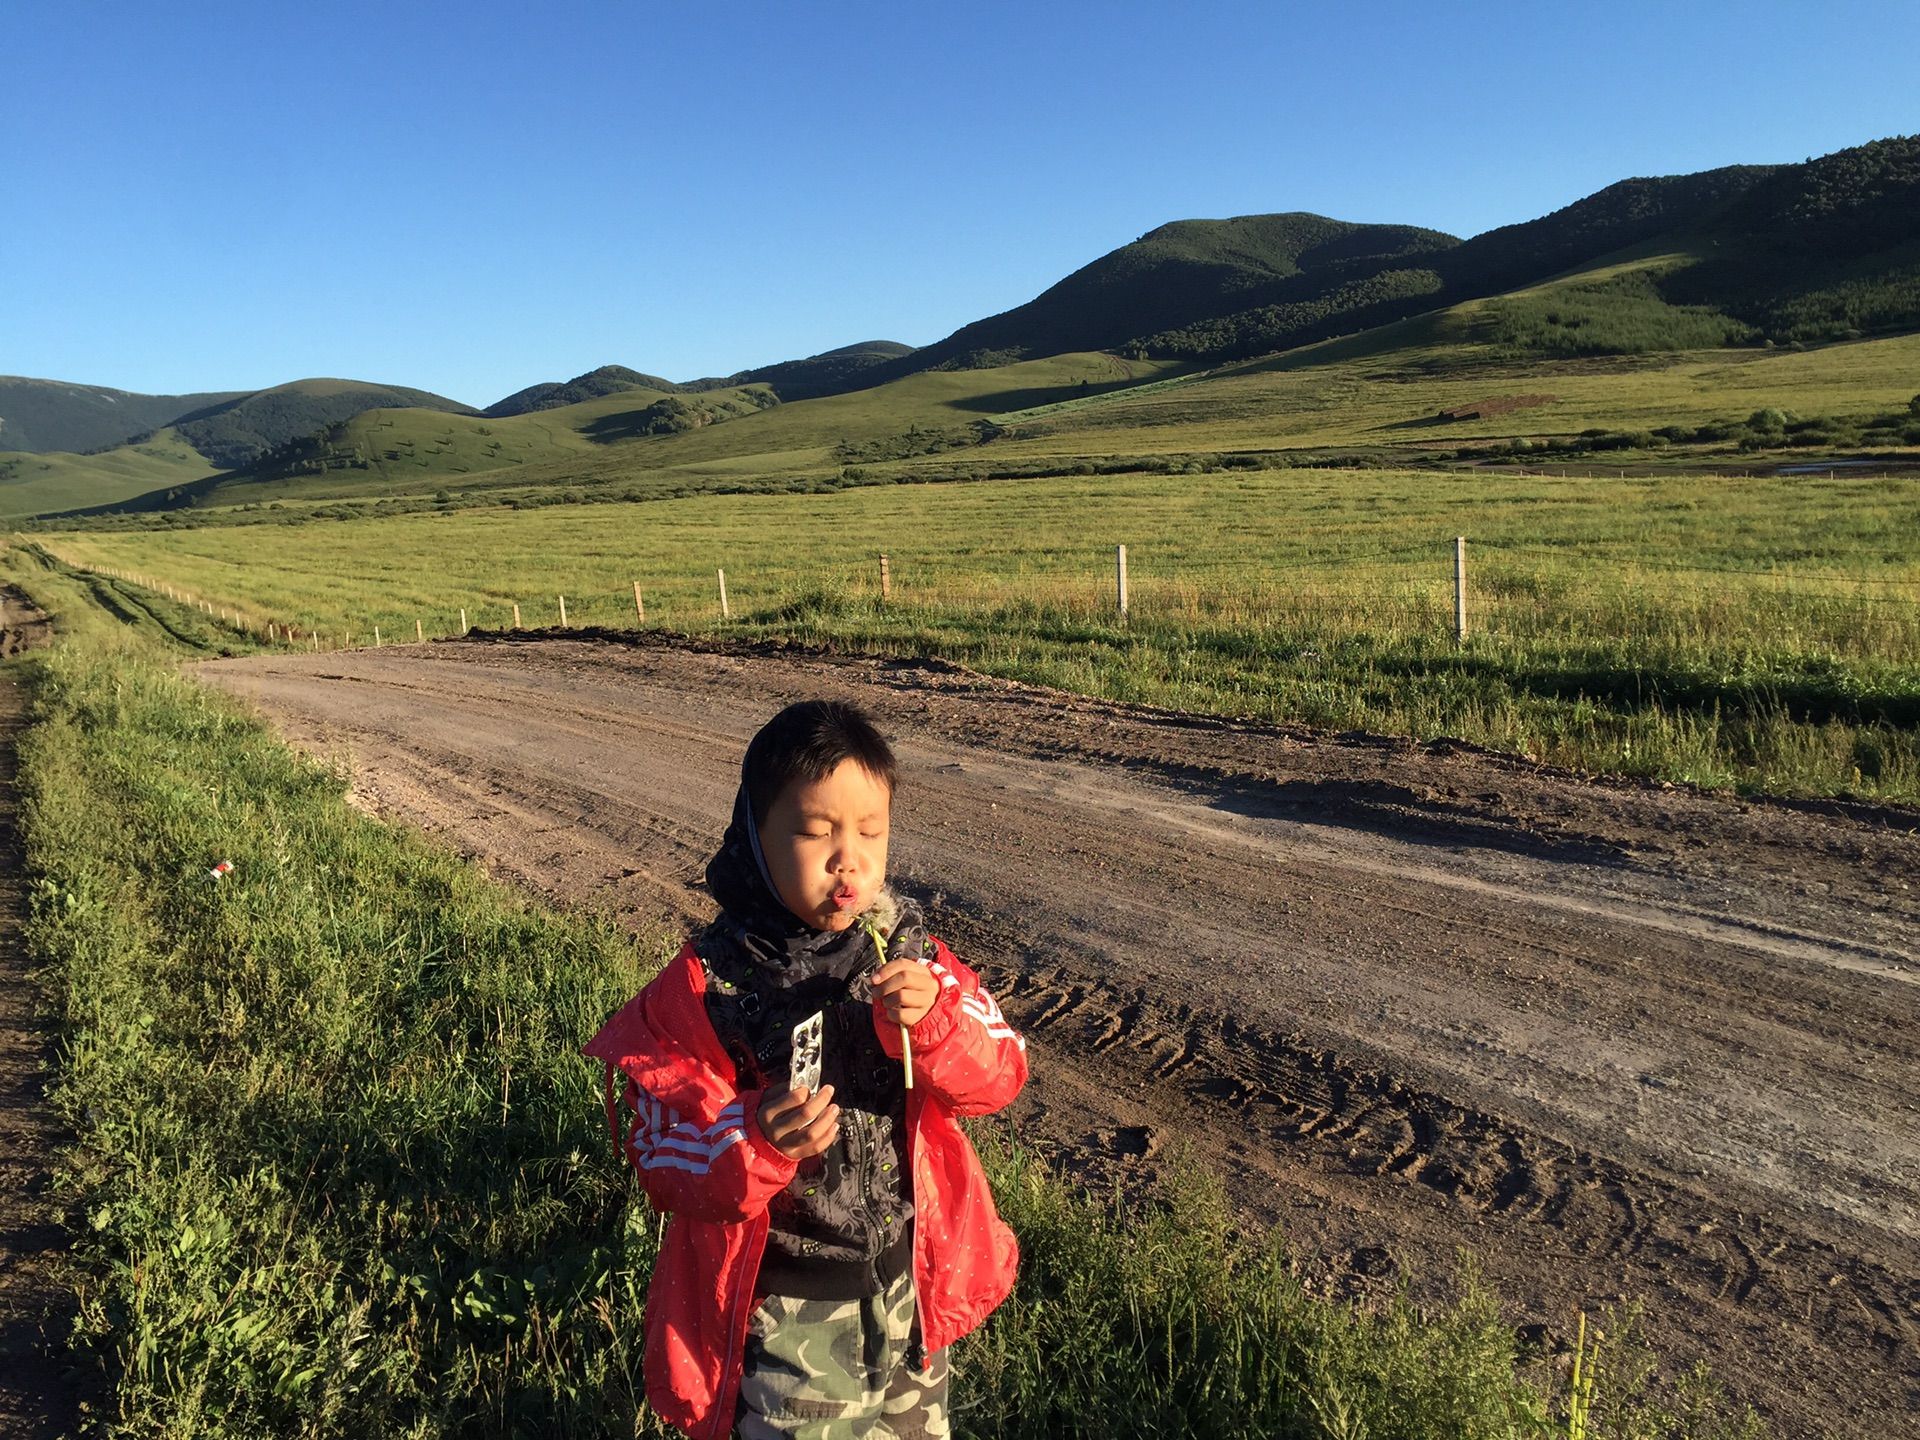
(1518, 590)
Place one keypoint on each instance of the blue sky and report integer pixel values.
(472, 197)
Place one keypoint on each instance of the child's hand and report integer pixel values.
(906, 989)
(799, 1125)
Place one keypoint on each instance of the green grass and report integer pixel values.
(1381, 389)
(1756, 633)
(31, 483)
(341, 1171)
(1622, 315)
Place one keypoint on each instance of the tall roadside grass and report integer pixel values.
(342, 1172)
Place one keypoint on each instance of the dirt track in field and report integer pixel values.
(37, 1395)
(1620, 1041)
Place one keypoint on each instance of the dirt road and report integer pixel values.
(1620, 1041)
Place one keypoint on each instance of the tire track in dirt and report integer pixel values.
(1369, 1124)
(1619, 1041)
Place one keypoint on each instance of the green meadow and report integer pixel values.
(30, 483)
(1760, 633)
(1383, 388)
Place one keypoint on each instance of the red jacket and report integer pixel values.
(697, 1146)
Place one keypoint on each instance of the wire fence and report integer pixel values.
(1506, 591)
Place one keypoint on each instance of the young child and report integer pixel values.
(823, 1248)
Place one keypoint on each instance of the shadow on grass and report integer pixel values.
(1006, 402)
(1814, 695)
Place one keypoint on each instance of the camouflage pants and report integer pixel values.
(837, 1370)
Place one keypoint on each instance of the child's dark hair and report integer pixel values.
(807, 742)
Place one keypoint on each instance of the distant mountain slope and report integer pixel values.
(1630, 212)
(832, 372)
(1827, 250)
(240, 431)
(46, 415)
(228, 428)
(551, 394)
(1184, 272)
(1748, 254)
(828, 373)
(401, 451)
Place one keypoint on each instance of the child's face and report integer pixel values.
(826, 845)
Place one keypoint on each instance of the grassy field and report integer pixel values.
(342, 1172)
(1760, 633)
(1384, 387)
(30, 484)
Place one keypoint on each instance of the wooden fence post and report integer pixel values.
(1460, 588)
(563, 612)
(1120, 578)
(419, 634)
(376, 637)
(516, 614)
(886, 580)
(725, 613)
(463, 619)
(639, 605)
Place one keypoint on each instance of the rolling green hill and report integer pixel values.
(413, 451)
(1826, 250)
(39, 416)
(1182, 272)
(238, 432)
(830, 373)
(552, 395)
(1382, 392)
(1625, 215)
(1823, 251)
(229, 428)
(33, 483)
(682, 443)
